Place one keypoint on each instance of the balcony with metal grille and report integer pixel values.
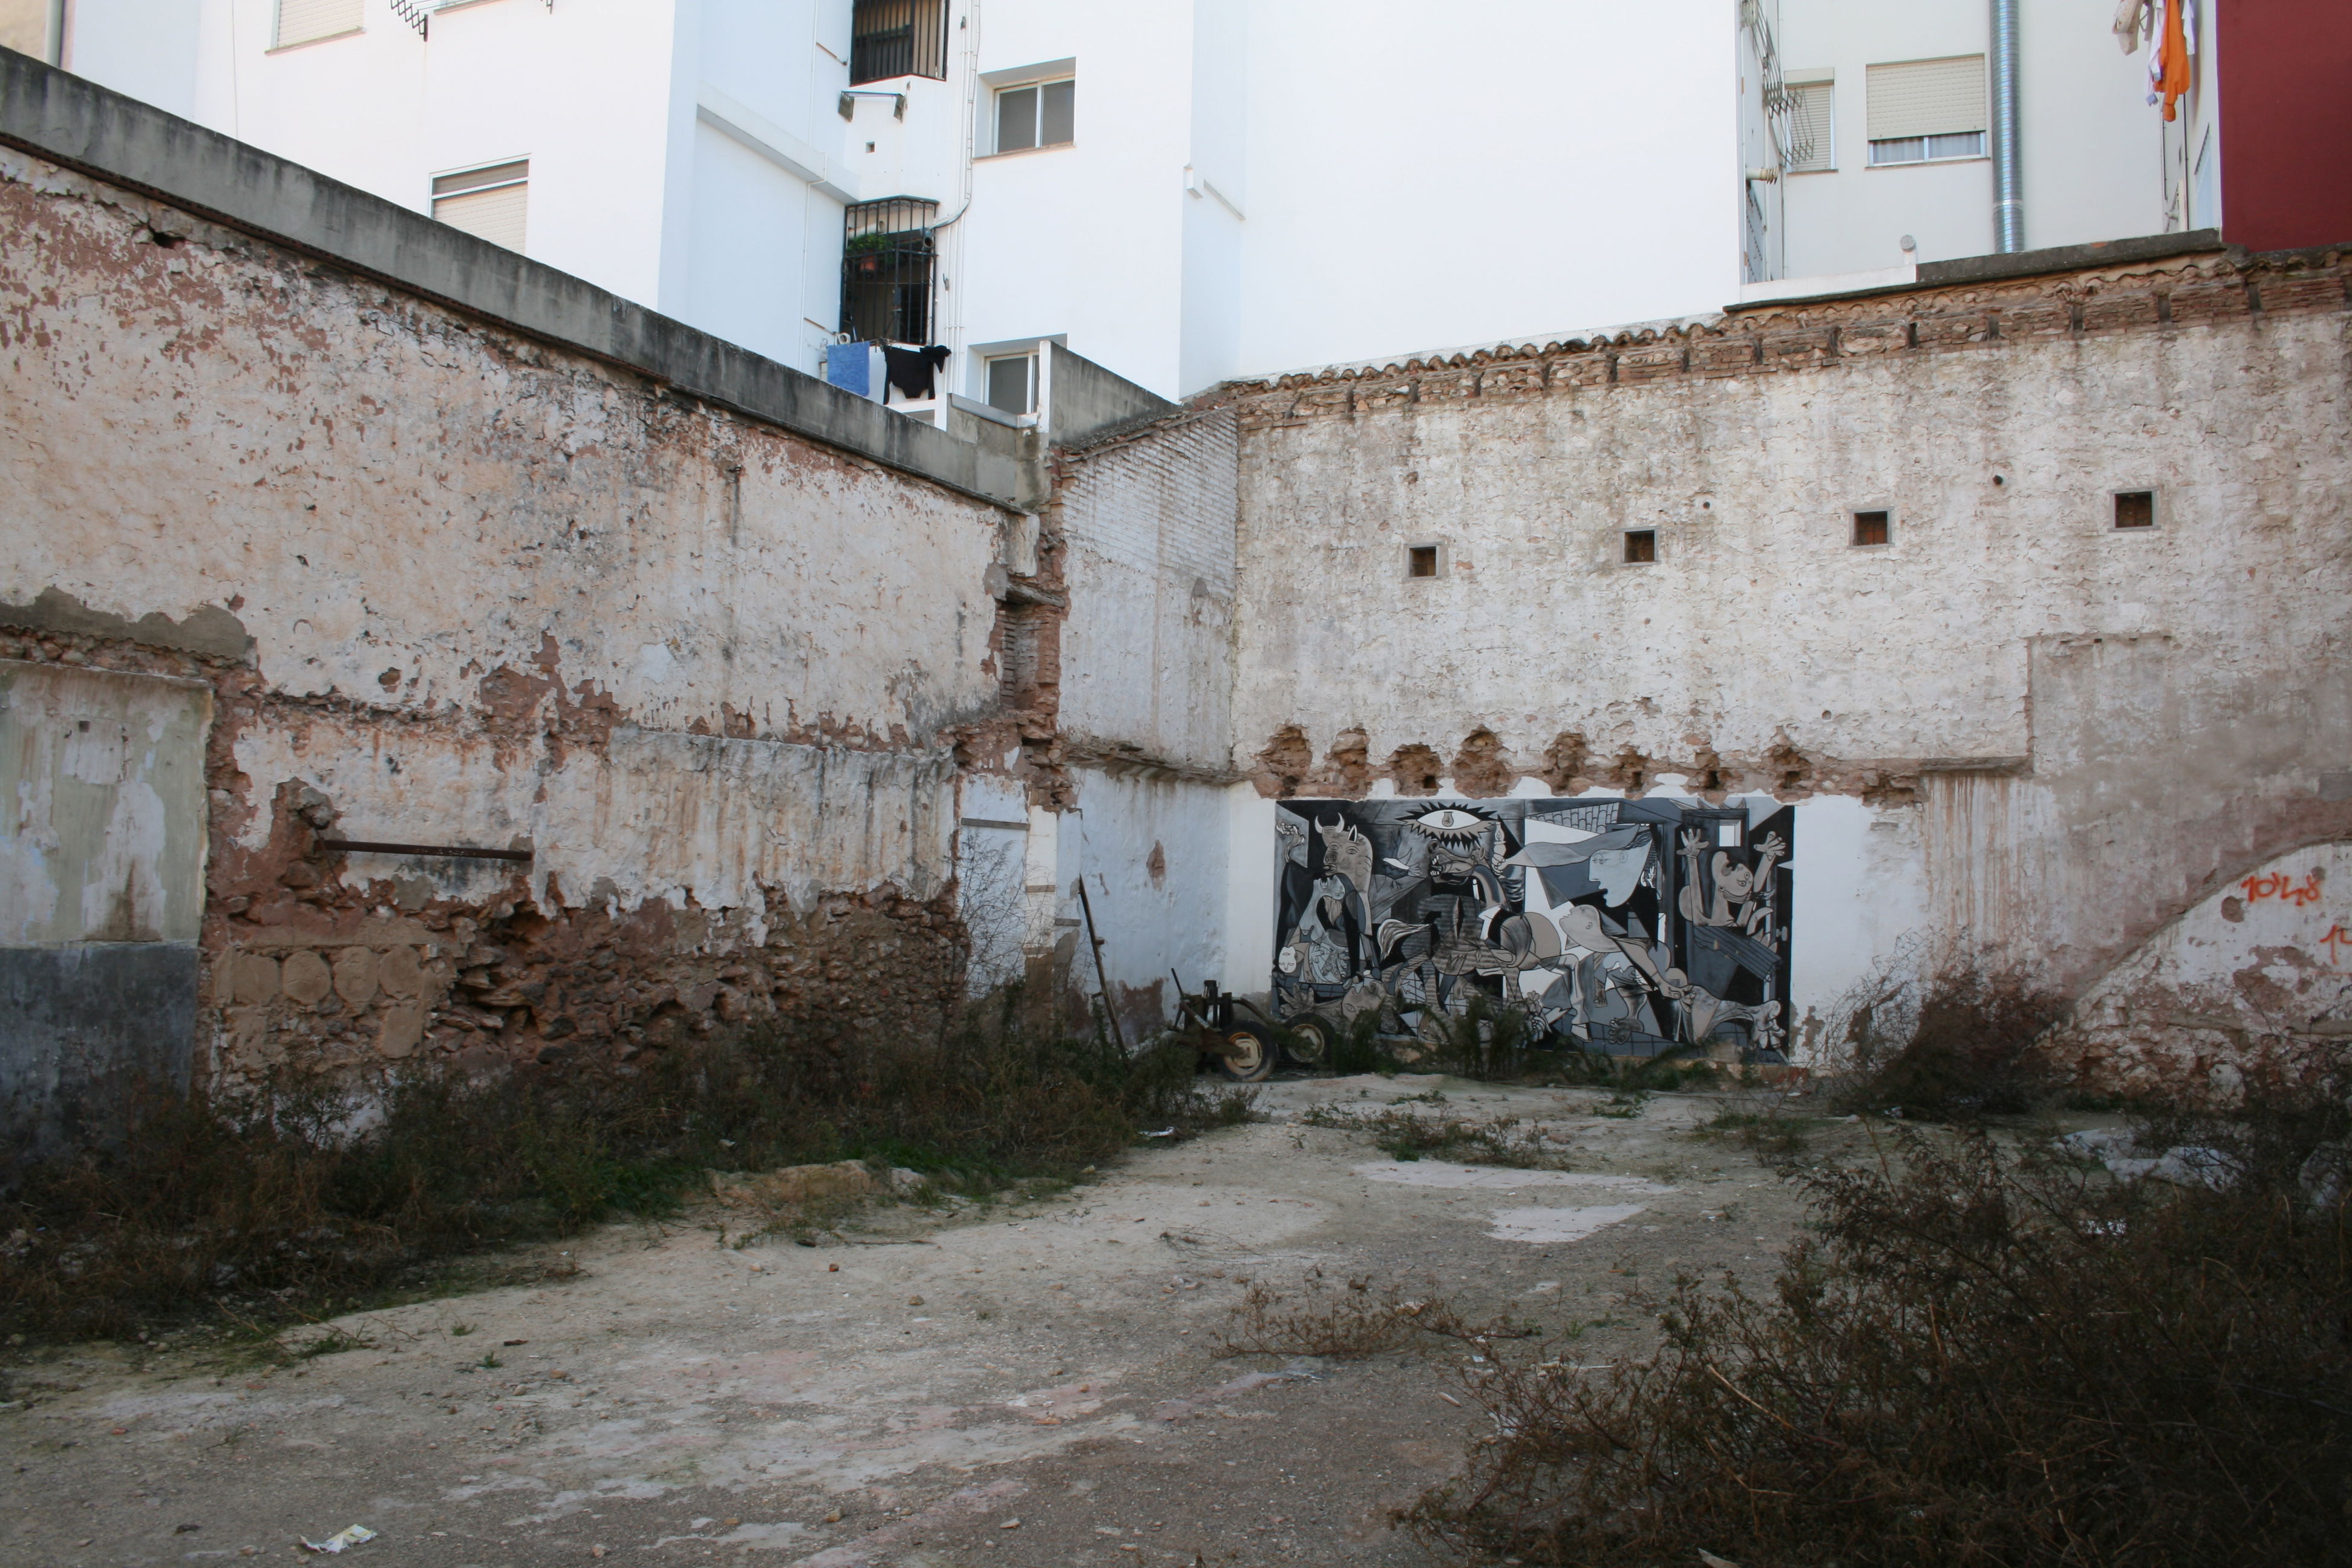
(897, 37)
(887, 261)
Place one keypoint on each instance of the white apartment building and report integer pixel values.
(1253, 188)
(682, 154)
(1184, 191)
(1866, 125)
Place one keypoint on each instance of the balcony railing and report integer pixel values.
(886, 262)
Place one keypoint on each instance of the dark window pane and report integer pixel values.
(1008, 384)
(2135, 509)
(1422, 560)
(1057, 111)
(1641, 545)
(1016, 120)
(1871, 528)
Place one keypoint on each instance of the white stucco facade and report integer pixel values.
(1244, 190)
(1255, 188)
(2098, 162)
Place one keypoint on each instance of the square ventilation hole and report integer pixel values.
(1640, 544)
(1421, 561)
(1873, 527)
(2135, 508)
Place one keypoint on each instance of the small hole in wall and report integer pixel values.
(2135, 508)
(1872, 527)
(1640, 544)
(1421, 561)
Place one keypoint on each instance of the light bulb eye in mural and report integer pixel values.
(1628, 927)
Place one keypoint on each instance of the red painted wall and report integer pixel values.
(2286, 123)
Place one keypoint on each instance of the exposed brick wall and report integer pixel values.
(719, 680)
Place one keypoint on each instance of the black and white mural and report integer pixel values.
(1627, 927)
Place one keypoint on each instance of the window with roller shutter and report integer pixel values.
(1806, 123)
(1924, 111)
(307, 21)
(488, 202)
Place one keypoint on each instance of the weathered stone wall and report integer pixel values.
(1146, 522)
(2084, 729)
(452, 586)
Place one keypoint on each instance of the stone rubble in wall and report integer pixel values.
(1482, 768)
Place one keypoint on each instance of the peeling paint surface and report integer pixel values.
(2254, 979)
(651, 816)
(101, 892)
(101, 775)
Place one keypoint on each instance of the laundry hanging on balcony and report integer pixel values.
(913, 371)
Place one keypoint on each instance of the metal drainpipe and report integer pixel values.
(2007, 201)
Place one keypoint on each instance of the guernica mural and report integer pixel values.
(1626, 927)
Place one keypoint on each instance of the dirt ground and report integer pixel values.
(1012, 1384)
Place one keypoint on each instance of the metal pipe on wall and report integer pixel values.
(2008, 198)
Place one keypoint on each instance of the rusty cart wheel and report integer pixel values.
(1311, 1039)
(1249, 1054)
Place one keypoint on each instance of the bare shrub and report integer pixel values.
(1490, 1041)
(1985, 1358)
(1953, 1041)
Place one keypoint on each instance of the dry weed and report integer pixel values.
(1985, 1358)
(1349, 1321)
(1470, 1140)
(273, 1208)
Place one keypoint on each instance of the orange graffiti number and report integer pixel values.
(2337, 939)
(2280, 885)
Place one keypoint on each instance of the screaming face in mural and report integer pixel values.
(1629, 927)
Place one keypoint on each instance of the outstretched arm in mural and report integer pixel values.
(1691, 903)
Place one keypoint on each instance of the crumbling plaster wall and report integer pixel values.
(1146, 522)
(2250, 982)
(2096, 726)
(453, 586)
